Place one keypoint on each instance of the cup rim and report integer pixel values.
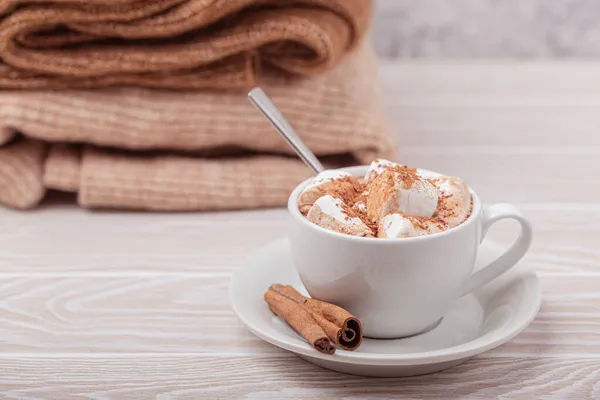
(360, 171)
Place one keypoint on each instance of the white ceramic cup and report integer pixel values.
(399, 287)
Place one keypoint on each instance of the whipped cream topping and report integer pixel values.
(331, 213)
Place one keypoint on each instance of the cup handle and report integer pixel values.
(510, 257)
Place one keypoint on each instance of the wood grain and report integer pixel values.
(135, 305)
(117, 244)
(133, 315)
(191, 314)
(568, 321)
(285, 376)
(132, 242)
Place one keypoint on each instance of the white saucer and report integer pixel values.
(476, 323)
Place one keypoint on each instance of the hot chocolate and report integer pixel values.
(391, 201)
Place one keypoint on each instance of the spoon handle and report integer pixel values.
(260, 99)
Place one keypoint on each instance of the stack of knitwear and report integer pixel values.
(142, 104)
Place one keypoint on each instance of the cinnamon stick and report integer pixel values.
(341, 327)
(300, 319)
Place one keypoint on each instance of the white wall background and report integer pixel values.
(487, 28)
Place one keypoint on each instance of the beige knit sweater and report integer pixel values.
(179, 44)
(157, 150)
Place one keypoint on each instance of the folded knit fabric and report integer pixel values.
(153, 149)
(172, 43)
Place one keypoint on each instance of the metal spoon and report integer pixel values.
(260, 99)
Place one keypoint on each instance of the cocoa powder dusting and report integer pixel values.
(349, 213)
(372, 225)
(443, 209)
(360, 189)
(345, 189)
(403, 173)
(418, 222)
(350, 190)
(407, 175)
(361, 212)
(381, 189)
(304, 209)
(363, 201)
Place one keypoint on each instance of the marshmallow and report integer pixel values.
(427, 174)
(401, 190)
(321, 185)
(331, 213)
(360, 207)
(377, 168)
(455, 204)
(360, 204)
(394, 226)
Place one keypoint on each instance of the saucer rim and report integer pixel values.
(460, 351)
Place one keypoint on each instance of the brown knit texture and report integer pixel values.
(219, 44)
(21, 168)
(150, 149)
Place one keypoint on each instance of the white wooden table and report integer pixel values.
(134, 305)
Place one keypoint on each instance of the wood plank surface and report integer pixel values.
(566, 240)
(285, 376)
(120, 305)
(191, 314)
